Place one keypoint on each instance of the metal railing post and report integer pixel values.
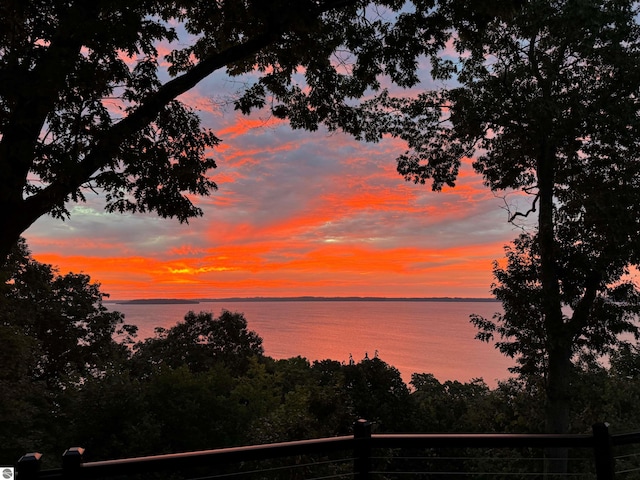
(603, 452)
(71, 461)
(28, 466)
(362, 449)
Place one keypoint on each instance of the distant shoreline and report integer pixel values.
(156, 301)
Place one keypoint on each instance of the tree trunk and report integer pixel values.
(13, 221)
(558, 345)
(557, 407)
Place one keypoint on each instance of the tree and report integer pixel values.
(23, 400)
(56, 335)
(376, 392)
(62, 316)
(84, 103)
(589, 333)
(546, 98)
(199, 343)
(451, 406)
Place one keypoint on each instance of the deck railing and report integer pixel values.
(357, 456)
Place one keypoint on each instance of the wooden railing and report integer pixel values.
(356, 462)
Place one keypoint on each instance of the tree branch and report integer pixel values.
(528, 212)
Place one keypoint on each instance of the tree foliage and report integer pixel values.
(521, 328)
(200, 342)
(56, 335)
(64, 319)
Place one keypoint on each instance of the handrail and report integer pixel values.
(218, 456)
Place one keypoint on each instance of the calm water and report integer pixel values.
(414, 337)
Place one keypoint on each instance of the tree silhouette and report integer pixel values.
(200, 342)
(62, 317)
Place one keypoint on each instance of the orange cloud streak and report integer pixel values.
(266, 270)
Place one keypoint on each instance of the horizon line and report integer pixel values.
(309, 298)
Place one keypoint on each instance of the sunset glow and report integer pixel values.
(296, 213)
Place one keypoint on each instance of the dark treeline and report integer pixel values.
(73, 374)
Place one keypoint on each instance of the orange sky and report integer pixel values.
(296, 213)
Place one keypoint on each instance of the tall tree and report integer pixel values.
(546, 98)
(84, 103)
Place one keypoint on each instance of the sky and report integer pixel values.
(296, 213)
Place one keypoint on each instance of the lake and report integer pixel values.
(413, 336)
